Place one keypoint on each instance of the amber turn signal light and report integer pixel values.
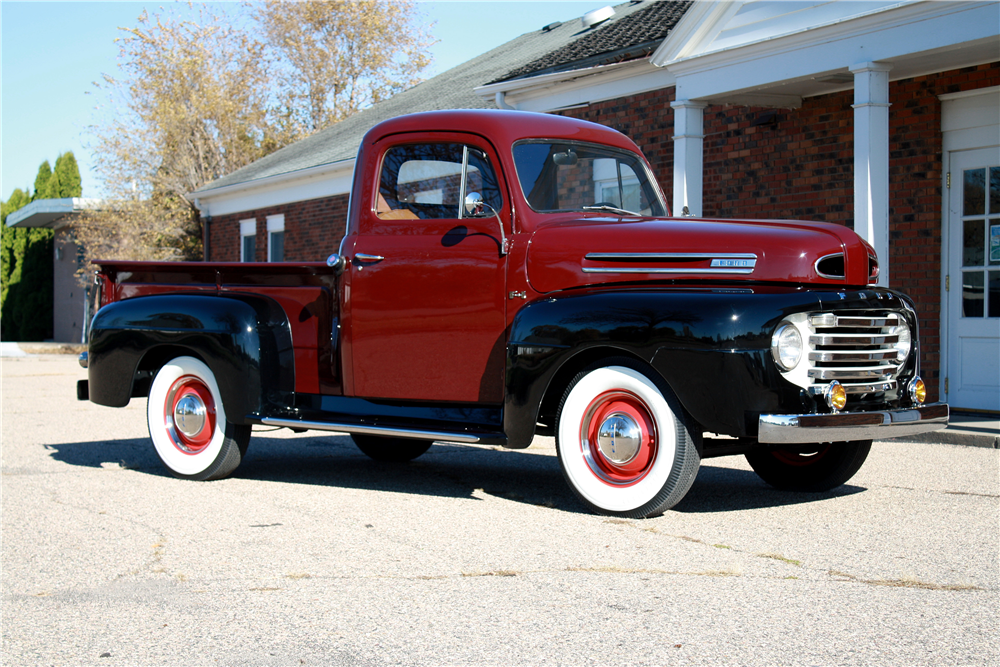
(918, 390)
(835, 395)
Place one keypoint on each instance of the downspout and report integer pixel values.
(501, 103)
(206, 238)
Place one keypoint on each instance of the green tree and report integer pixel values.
(26, 256)
(26, 285)
(42, 180)
(18, 199)
(52, 188)
(68, 173)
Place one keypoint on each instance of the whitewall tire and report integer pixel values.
(188, 425)
(623, 440)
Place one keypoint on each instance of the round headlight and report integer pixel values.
(905, 342)
(786, 346)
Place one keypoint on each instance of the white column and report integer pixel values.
(689, 136)
(871, 159)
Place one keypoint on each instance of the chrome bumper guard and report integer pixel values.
(847, 426)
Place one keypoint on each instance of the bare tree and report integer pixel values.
(197, 98)
(339, 56)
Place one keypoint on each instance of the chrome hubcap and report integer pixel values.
(189, 415)
(619, 438)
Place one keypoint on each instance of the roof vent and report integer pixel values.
(597, 16)
(552, 26)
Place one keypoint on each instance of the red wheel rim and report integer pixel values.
(800, 459)
(190, 433)
(610, 405)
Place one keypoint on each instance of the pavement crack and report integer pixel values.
(947, 493)
(906, 582)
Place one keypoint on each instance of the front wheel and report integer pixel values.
(188, 425)
(623, 440)
(816, 469)
(390, 450)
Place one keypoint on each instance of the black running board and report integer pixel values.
(465, 437)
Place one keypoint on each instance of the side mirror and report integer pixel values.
(476, 207)
(474, 204)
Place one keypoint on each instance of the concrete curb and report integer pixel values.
(960, 434)
(24, 349)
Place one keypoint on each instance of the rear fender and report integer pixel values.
(245, 340)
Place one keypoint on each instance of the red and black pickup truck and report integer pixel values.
(507, 274)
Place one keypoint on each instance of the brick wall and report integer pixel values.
(313, 230)
(646, 119)
(759, 163)
(798, 163)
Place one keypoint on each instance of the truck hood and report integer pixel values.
(575, 252)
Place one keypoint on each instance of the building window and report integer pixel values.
(248, 240)
(276, 238)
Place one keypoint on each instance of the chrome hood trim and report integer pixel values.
(722, 263)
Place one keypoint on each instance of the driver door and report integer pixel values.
(428, 281)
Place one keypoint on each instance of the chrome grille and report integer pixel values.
(858, 351)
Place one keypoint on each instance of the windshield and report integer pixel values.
(569, 176)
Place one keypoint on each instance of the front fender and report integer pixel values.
(709, 344)
(244, 339)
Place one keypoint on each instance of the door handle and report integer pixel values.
(362, 257)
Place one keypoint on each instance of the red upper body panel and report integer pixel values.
(558, 244)
(572, 252)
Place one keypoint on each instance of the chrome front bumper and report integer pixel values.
(846, 426)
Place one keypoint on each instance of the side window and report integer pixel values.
(276, 238)
(425, 181)
(248, 240)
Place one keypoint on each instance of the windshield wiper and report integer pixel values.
(607, 207)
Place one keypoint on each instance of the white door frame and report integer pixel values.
(970, 120)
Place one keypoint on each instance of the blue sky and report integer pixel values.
(52, 52)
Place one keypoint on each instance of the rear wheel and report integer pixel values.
(818, 468)
(188, 425)
(623, 440)
(390, 450)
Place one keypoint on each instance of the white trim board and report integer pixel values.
(325, 181)
(917, 38)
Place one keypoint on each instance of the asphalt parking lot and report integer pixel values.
(313, 554)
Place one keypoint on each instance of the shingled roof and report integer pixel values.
(454, 89)
(628, 36)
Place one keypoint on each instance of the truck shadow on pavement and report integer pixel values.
(451, 471)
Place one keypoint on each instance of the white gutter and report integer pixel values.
(325, 180)
(270, 181)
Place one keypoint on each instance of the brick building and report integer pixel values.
(884, 116)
